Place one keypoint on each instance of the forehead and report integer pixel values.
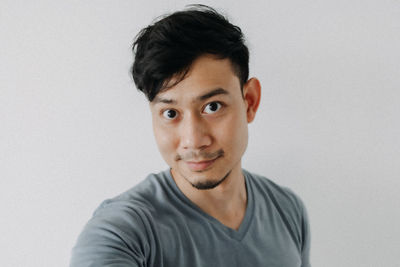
(207, 74)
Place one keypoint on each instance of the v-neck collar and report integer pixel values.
(232, 233)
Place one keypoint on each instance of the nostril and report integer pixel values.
(196, 139)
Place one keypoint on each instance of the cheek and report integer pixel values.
(165, 141)
(233, 133)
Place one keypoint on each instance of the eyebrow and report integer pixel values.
(217, 91)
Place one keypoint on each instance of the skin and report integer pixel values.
(201, 129)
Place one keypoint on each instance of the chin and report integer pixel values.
(207, 185)
(206, 181)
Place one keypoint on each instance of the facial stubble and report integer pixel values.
(207, 185)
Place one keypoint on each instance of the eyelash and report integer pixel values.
(220, 103)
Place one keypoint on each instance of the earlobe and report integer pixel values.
(252, 96)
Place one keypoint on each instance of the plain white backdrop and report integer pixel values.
(74, 130)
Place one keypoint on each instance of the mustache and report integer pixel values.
(200, 155)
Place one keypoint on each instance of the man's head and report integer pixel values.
(193, 67)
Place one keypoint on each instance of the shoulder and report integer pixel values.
(282, 196)
(135, 202)
(122, 225)
(284, 202)
(134, 209)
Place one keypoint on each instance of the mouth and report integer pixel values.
(200, 165)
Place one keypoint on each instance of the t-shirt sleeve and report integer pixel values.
(302, 227)
(297, 217)
(306, 239)
(114, 236)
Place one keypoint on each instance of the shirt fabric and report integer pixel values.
(155, 224)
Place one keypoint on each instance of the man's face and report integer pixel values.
(200, 124)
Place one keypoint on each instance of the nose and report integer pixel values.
(194, 133)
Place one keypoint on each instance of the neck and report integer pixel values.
(226, 202)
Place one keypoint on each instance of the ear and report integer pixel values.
(252, 96)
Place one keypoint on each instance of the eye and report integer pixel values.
(170, 114)
(212, 107)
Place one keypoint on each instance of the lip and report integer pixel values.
(200, 165)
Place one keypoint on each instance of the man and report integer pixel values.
(205, 210)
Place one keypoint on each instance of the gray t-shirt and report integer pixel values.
(155, 224)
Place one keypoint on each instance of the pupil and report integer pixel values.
(213, 106)
(171, 113)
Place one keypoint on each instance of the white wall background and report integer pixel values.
(74, 130)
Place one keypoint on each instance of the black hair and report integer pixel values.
(167, 48)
